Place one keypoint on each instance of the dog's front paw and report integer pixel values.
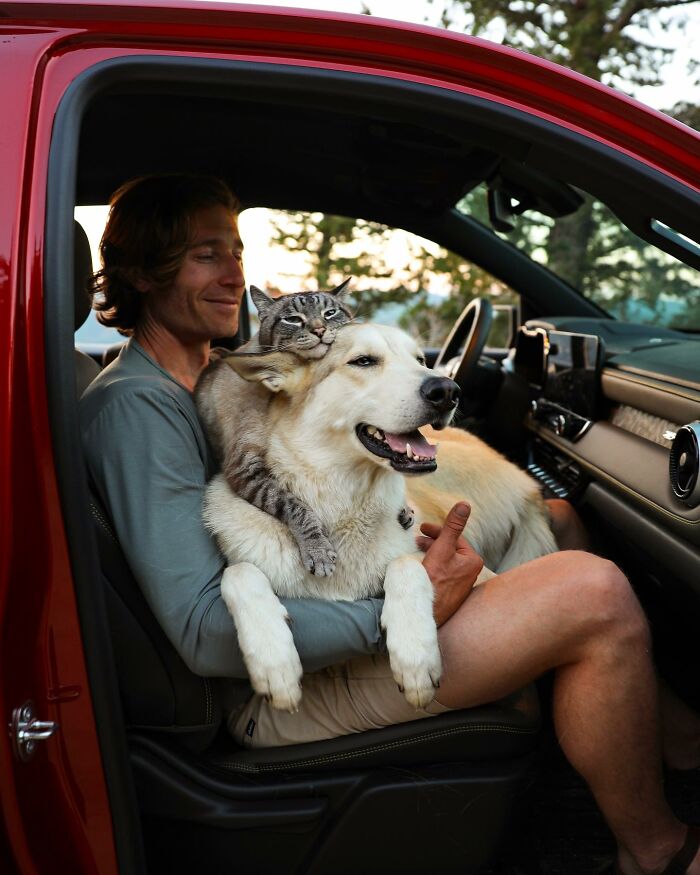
(417, 670)
(278, 678)
(406, 517)
(319, 556)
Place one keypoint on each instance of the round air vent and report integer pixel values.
(684, 463)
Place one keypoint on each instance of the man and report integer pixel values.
(172, 278)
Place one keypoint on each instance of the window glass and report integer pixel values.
(398, 278)
(594, 252)
(91, 333)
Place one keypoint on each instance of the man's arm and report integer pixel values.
(145, 456)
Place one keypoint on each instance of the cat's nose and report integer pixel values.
(319, 329)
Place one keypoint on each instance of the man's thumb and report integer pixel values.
(456, 520)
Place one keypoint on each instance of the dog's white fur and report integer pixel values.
(313, 450)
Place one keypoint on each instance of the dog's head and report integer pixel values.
(368, 396)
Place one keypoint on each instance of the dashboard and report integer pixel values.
(615, 422)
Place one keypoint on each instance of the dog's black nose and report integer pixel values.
(441, 392)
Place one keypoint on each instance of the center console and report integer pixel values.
(563, 371)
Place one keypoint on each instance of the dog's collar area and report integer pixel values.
(408, 452)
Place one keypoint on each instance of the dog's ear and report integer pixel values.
(273, 369)
(339, 290)
(261, 300)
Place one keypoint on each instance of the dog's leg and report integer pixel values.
(263, 635)
(532, 535)
(406, 517)
(411, 635)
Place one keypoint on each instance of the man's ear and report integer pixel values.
(140, 283)
(261, 300)
(274, 370)
(338, 290)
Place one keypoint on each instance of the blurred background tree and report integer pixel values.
(608, 40)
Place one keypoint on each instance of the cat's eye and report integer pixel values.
(293, 320)
(329, 314)
(364, 361)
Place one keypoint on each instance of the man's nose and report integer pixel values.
(441, 392)
(233, 275)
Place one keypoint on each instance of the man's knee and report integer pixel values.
(604, 595)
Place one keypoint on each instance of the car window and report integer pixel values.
(398, 278)
(91, 333)
(593, 251)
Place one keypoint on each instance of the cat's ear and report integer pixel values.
(261, 300)
(339, 290)
(275, 370)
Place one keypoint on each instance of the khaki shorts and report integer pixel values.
(353, 697)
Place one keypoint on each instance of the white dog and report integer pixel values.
(343, 431)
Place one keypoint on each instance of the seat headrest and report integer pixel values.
(82, 268)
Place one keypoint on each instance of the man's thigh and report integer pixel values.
(523, 622)
(354, 697)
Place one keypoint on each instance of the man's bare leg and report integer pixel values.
(680, 731)
(575, 613)
(567, 527)
(680, 725)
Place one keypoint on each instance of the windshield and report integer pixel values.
(630, 279)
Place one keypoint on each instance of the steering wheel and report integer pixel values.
(469, 331)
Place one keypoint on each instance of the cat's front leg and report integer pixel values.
(411, 634)
(264, 636)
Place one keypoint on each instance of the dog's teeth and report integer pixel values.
(371, 430)
(408, 451)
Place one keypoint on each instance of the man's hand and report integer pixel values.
(452, 564)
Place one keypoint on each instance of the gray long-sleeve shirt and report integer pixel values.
(149, 461)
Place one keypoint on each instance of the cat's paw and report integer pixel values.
(319, 556)
(279, 681)
(406, 517)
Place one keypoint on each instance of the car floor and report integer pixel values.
(559, 828)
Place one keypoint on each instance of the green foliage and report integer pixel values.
(611, 41)
(338, 247)
(608, 40)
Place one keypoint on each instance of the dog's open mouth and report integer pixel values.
(408, 452)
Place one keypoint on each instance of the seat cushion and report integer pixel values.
(505, 729)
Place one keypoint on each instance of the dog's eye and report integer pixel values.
(420, 359)
(329, 314)
(364, 361)
(293, 320)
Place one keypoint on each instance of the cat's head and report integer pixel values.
(305, 323)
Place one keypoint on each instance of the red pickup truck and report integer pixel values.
(112, 760)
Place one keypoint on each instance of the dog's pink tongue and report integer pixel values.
(419, 445)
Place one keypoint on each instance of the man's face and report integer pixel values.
(204, 300)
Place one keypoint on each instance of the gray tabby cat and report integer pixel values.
(234, 413)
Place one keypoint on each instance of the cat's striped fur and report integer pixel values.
(233, 412)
